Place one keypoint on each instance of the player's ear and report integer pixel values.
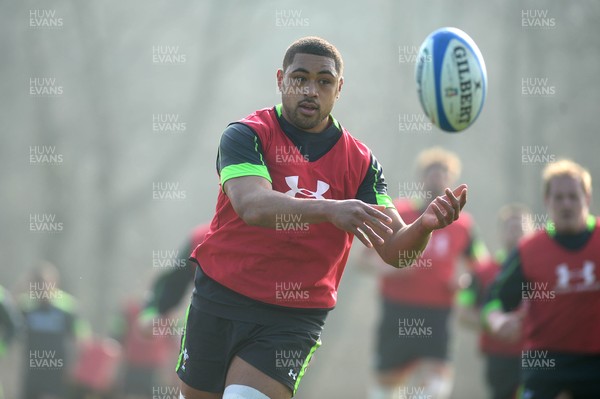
(340, 84)
(280, 79)
(588, 199)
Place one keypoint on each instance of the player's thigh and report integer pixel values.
(243, 373)
(275, 357)
(190, 393)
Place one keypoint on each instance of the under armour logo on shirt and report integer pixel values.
(292, 182)
(586, 273)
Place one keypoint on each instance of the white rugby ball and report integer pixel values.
(451, 79)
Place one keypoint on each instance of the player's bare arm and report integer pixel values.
(256, 203)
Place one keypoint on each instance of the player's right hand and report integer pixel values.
(367, 222)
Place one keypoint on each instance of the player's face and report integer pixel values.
(567, 204)
(435, 179)
(309, 88)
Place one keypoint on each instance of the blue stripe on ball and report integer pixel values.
(441, 39)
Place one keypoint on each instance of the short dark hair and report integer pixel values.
(316, 46)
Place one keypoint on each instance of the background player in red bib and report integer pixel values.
(502, 358)
(169, 288)
(295, 188)
(556, 272)
(413, 333)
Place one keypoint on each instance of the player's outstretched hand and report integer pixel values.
(445, 209)
(367, 222)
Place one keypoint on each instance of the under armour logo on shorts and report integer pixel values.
(292, 374)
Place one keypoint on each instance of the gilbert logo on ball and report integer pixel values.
(451, 79)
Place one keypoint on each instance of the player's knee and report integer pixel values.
(243, 392)
(187, 392)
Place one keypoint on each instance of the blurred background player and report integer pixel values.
(144, 352)
(10, 323)
(52, 328)
(96, 369)
(421, 296)
(556, 271)
(170, 287)
(145, 330)
(502, 358)
(146, 339)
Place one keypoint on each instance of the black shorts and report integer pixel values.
(502, 374)
(408, 332)
(577, 374)
(221, 324)
(280, 350)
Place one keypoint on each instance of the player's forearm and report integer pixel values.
(407, 244)
(269, 208)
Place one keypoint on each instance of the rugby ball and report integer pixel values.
(451, 79)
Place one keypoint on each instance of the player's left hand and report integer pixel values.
(445, 209)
